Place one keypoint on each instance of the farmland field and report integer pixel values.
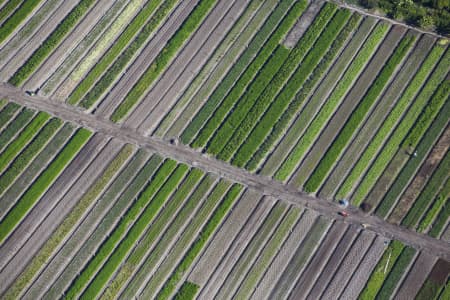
(221, 149)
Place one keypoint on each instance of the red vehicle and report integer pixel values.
(343, 213)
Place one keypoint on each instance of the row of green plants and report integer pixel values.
(393, 144)
(15, 126)
(441, 220)
(289, 79)
(282, 110)
(29, 198)
(389, 122)
(44, 50)
(16, 146)
(206, 232)
(162, 60)
(437, 207)
(7, 113)
(358, 116)
(39, 260)
(430, 290)
(18, 17)
(106, 69)
(131, 220)
(187, 291)
(332, 102)
(261, 47)
(31, 150)
(159, 230)
(8, 8)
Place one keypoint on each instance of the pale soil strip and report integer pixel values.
(136, 67)
(416, 276)
(216, 68)
(413, 190)
(375, 120)
(222, 240)
(360, 276)
(326, 274)
(280, 263)
(345, 109)
(45, 224)
(69, 44)
(312, 105)
(286, 280)
(177, 85)
(303, 23)
(87, 226)
(321, 256)
(27, 49)
(212, 282)
(40, 162)
(50, 198)
(33, 25)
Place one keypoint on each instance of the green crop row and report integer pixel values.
(392, 146)
(29, 153)
(262, 90)
(18, 17)
(187, 291)
(283, 108)
(332, 102)
(383, 267)
(203, 237)
(164, 57)
(437, 207)
(8, 8)
(357, 116)
(41, 184)
(441, 220)
(22, 139)
(396, 273)
(236, 82)
(289, 78)
(68, 224)
(140, 21)
(423, 201)
(7, 113)
(390, 121)
(51, 42)
(120, 231)
(15, 126)
(430, 290)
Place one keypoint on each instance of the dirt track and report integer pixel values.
(266, 186)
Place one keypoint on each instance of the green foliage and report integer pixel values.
(441, 220)
(29, 153)
(68, 224)
(258, 47)
(140, 21)
(8, 112)
(332, 102)
(18, 17)
(15, 126)
(187, 291)
(164, 57)
(429, 290)
(276, 131)
(8, 8)
(137, 223)
(203, 237)
(357, 116)
(40, 185)
(22, 139)
(438, 205)
(51, 42)
(390, 121)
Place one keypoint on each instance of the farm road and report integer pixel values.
(262, 184)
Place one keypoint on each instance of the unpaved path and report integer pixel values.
(265, 185)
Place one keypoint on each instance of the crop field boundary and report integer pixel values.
(191, 157)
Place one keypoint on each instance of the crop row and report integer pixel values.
(51, 42)
(15, 126)
(19, 15)
(437, 207)
(332, 102)
(390, 121)
(357, 116)
(69, 223)
(397, 136)
(279, 92)
(441, 220)
(7, 113)
(164, 57)
(187, 291)
(41, 184)
(106, 62)
(236, 81)
(8, 8)
(120, 231)
(263, 137)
